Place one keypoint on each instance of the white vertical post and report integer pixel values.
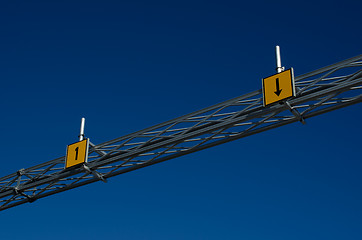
(81, 134)
(279, 61)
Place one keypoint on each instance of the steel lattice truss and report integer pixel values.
(318, 92)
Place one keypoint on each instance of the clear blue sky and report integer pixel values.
(127, 65)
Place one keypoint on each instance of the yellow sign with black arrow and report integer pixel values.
(278, 87)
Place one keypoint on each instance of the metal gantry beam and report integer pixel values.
(329, 88)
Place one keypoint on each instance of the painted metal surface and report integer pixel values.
(278, 87)
(77, 153)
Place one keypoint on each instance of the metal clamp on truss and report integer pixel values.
(16, 190)
(94, 173)
(295, 112)
(20, 172)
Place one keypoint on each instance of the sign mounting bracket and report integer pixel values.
(94, 173)
(295, 112)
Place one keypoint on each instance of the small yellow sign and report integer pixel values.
(278, 87)
(77, 153)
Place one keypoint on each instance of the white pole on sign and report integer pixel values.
(279, 61)
(81, 134)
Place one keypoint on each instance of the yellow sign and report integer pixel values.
(278, 87)
(77, 153)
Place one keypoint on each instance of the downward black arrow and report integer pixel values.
(278, 91)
